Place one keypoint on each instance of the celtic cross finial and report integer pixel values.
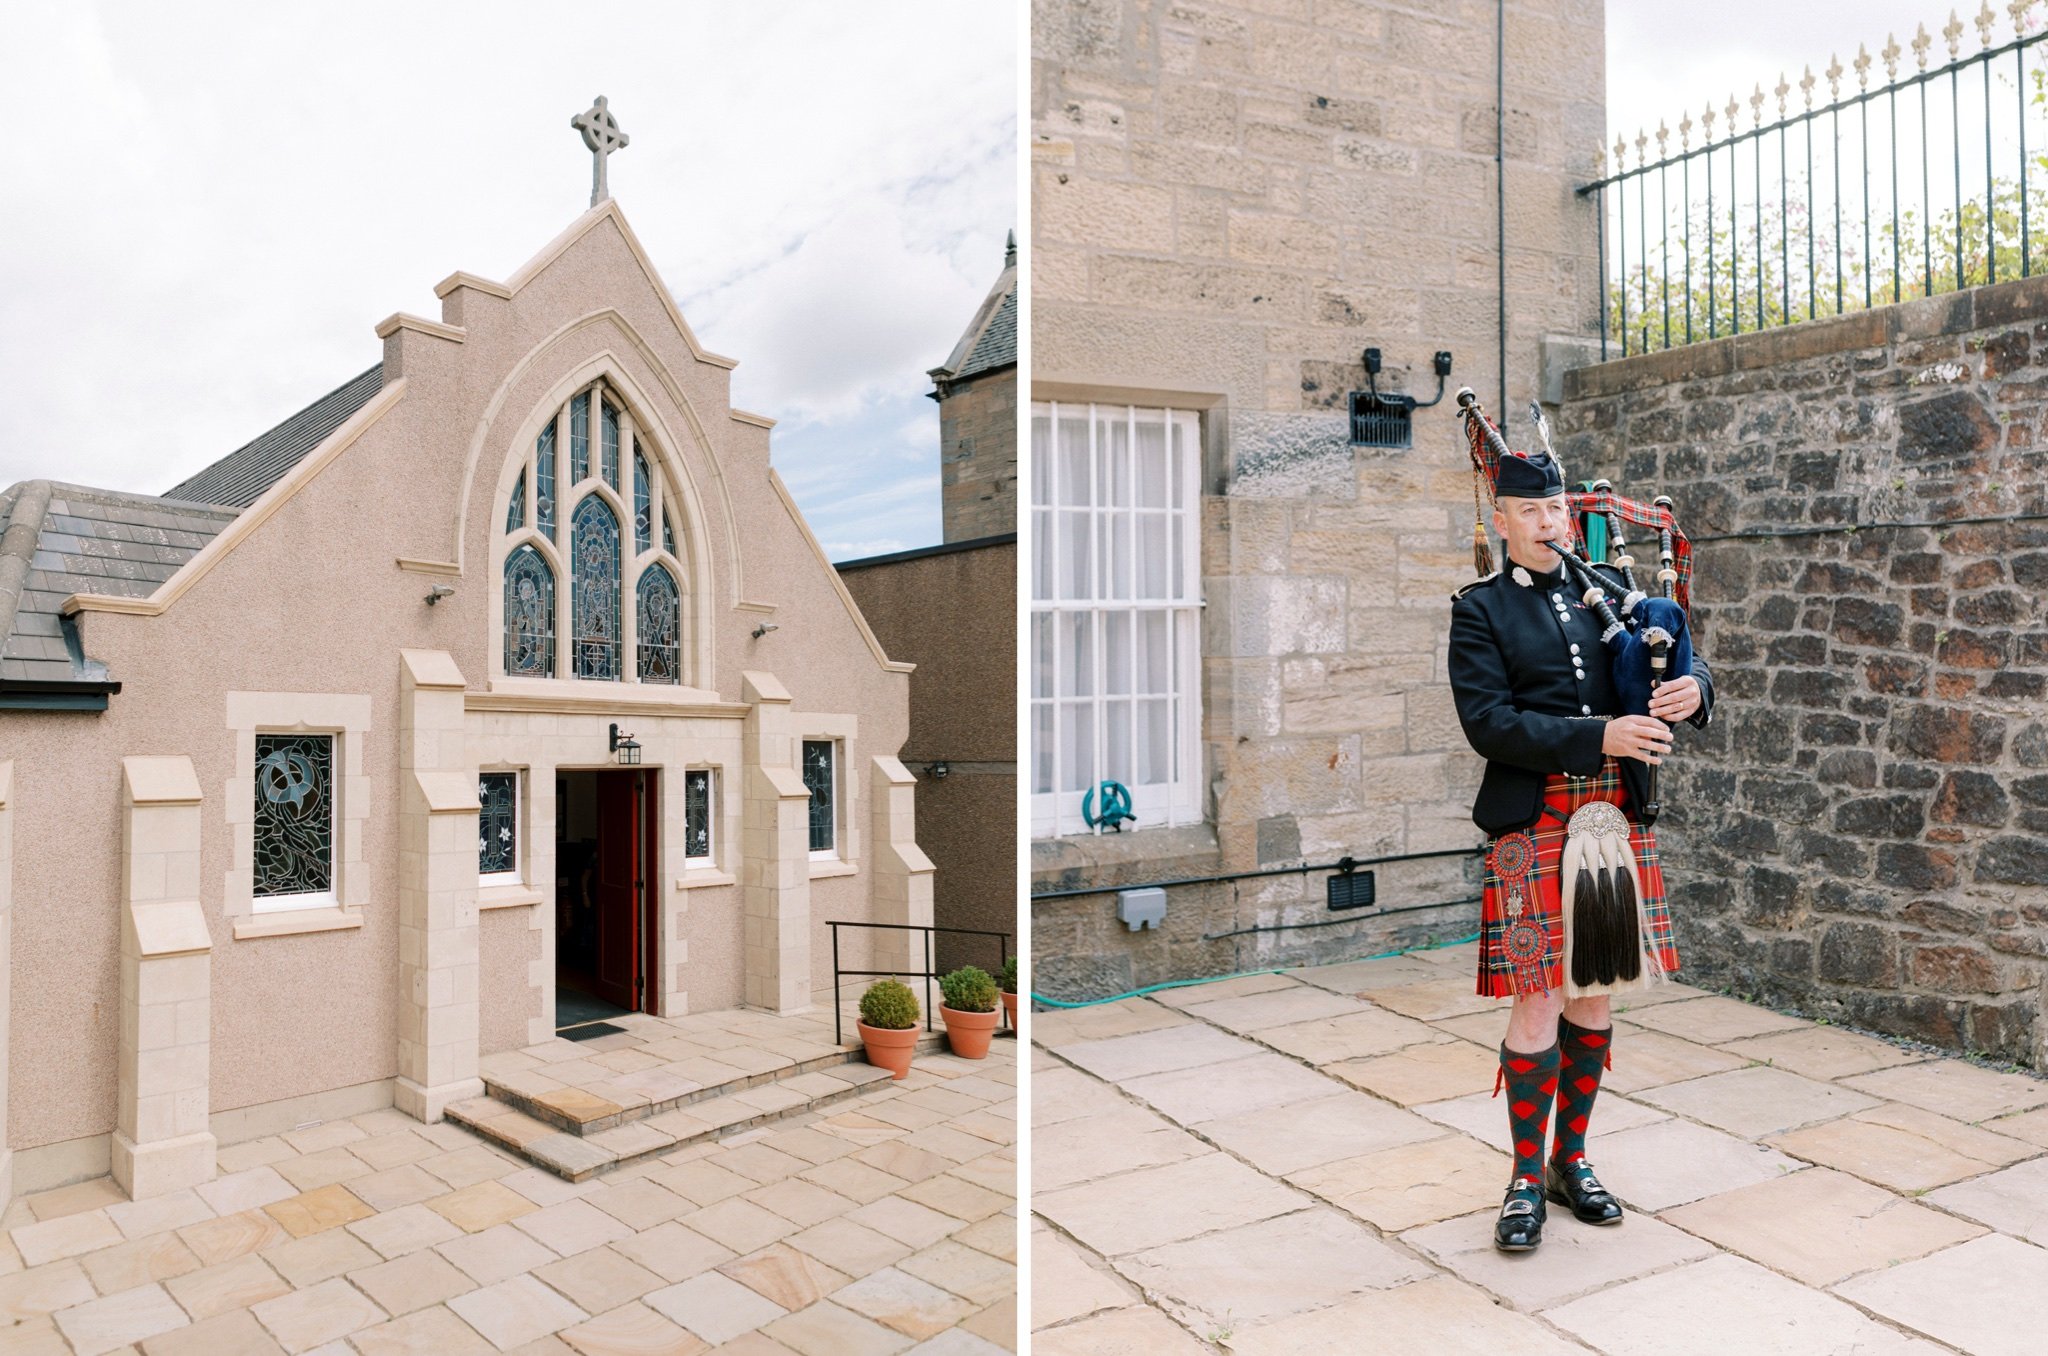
(602, 135)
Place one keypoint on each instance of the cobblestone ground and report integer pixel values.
(1311, 1163)
(885, 1225)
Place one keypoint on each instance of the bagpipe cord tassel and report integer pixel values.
(1482, 549)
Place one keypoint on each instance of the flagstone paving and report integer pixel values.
(885, 1224)
(1310, 1162)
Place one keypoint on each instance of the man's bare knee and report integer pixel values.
(1532, 1023)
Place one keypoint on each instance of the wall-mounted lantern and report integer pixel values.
(625, 748)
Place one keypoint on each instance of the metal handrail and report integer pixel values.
(928, 973)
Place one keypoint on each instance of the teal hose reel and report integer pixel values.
(1116, 806)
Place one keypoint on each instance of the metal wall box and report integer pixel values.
(1141, 909)
(1380, 421)
(1351, 890)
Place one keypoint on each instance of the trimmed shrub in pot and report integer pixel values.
(888, 1025)
(969, 1007)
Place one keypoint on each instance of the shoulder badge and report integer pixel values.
(1483, 579)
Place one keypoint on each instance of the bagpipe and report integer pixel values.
(1649, 642)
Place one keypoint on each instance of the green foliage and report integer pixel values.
(1008, 975)
(889, 1005)
(969, 989)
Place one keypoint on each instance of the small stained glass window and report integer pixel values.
(818, 781)
(294, 820)
(697, 816)
(544, 480)
(658, 622)
(668, 533)
(643, 505)
(497, 840)
(579, 437)
(594, 575)
(515, 516)
(611, 446)
(529, 614)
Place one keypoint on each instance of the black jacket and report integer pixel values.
(1530, 681)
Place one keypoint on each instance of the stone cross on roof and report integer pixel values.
(602, 135)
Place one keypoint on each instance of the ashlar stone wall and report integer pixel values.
(1863, 831)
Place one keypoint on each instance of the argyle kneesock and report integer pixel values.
(1583, 1055)
(1531, 1081)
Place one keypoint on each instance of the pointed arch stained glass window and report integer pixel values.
(544, 480)
(668, 533)
(529, 615)
(515, 515)
(594, 584)
(643, 505)
(659, 619)
(579, 437)
(610, 446)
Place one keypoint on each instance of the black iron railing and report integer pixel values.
(1767, 261)
(928, 974)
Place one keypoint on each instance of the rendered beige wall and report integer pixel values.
(313, 600)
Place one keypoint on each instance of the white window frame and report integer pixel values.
(1177, 800)
(517, 875)
(311, 899)
(837, 850)
(709, 861)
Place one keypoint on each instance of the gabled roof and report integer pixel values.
(990, 340)
(241, 477)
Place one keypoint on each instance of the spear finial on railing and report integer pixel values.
(2018, 9)
(1783, 90)
(1685, 133)
(1756, 107)
(1891, 54)
(1620, 154)
(1985, 19)
(1642, 148)
(1707, 126)
(1663, 134)
(1834, 79)
(1954, 34)
(1921, 42)
(1732, 109)
(1806, 87)
(1862, 65)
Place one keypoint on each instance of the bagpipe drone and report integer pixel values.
(1649, 642)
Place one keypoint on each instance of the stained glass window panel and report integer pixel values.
(497, 842)
(697, 814)
(643, 505)
(515, 516)
(668, 533)
(659, 624)
(544, 480)
(818, 781)
(294, 814)
(611, 446)
(529, 615)
(594, 585)
(579, 437)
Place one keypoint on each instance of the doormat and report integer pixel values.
(590, 1031)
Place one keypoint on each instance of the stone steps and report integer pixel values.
(577, 1135)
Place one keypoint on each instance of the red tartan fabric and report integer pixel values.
(1541, 896)
(1629, 511)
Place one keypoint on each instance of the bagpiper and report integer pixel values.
(1566, 775)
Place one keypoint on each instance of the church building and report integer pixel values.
(500, 688)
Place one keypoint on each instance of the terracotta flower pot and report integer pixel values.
(1010, 1009)
(968, 1032)
(888, 1049)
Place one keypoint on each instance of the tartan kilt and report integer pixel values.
(1502, 974)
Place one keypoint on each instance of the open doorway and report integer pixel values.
(605, 937)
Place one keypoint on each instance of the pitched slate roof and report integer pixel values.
(241, 477)
(990, 340)
(57, 540)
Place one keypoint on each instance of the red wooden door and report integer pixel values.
(618, 889)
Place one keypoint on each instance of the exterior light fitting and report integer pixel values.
(625, 748)
(438, 592)
(764, 628)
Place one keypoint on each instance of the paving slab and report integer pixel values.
(1904, 1148)
(1414, 1184)
(1357, 977)
(1262, 1272)
(1232, 1088)
(1671, 1162)
(1722, 1305)
(1434, 999)
(1759, 1101)
(1187, 995)
(1945, 1296)
(1091, 1147)
(1953, 1088)
(1574, 1260)
(1820, 1226)
(1062, 1094)
(1066, 1284)
(1712, 1020)
(1440, 1315)
(2013, 1200)
(1422, 1073)
(1181, 1201)
(1120, 1332)
(1823, 1052)
(1355, 1035)
(1150, 1052)
(1128, 1016)
(1651, 1059)
(1280, 1007)
(1342, 1125)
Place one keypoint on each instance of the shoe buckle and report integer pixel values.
(1516, 1207)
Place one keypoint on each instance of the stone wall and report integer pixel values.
(1863, 831)
(1231, 201)
(978, 456)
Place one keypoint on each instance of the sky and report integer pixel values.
(206, 208)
